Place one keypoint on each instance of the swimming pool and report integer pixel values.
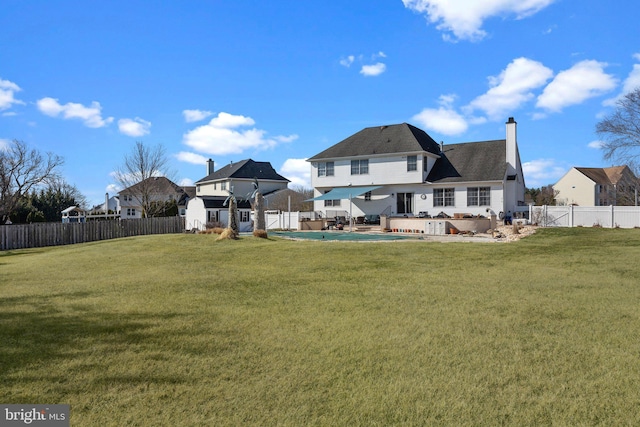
(341, 235)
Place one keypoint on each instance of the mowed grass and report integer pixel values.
(183, 330)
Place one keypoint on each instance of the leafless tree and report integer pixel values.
(621, 130)
(136, 175)
(298, 194)
(21, 170)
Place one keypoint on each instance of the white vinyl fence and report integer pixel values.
(286, 220)
(585, 216)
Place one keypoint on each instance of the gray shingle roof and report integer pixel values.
(245, 169)
(471, 161)
(217, 202)
(402, 138)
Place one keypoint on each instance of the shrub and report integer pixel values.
(260, 233)
(228, 233)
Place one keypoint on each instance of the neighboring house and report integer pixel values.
(614, 186)
(161, 189)
(399, 170)
(211, 192)
(111, 204)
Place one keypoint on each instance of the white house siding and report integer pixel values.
(388, 205)
(241, 188)
(198, 216)
(382, 171)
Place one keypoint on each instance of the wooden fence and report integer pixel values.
(54, 234)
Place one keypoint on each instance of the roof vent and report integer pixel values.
(383, 127)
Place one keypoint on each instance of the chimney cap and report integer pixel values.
(511, 120)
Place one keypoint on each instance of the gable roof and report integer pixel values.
(158, 185)
(470, 161)
(402, 138)
(604, 176)
(245, 169)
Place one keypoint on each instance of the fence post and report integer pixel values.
(570, 215)
(612, 217)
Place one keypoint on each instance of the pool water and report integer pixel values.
(340, 235)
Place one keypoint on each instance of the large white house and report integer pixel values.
(399, 170)
(208, 205)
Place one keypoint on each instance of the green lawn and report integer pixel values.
(182, 330)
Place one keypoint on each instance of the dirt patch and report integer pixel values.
(505, 232)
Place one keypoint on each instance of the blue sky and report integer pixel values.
(282, 81)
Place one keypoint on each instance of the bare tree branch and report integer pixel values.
(621, 130)
(21, 170)
(136, 175)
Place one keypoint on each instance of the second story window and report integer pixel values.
(223, 185)
(360, 167)
(325, 169)
(412, 163)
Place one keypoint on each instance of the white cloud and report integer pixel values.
(584, 80)
(196, 159)
(91, 116)
(464, 18)
(631, 83)
(346, 62)
(298, 171)
(134, 127)
(542, 172)
(113, 188)
(221, 136)
(595, 144)
(195, 115)
(7, 94)
(186, 182)
(373, 70)
(445, 119)
(4, 144)
(512, 88)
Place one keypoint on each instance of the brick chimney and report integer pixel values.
(210, 167)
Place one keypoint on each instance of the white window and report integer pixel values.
(412, 163)
(244, 216)
(330, 203)
(223, 185)
(325, 169)
(367, 196)
(479, 196)
(131, 212)
(360, 167)
(443, 197)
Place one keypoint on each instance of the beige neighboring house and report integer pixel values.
(160, 189)
(614, 186)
